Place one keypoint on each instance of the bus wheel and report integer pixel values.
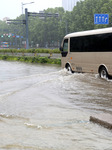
(69, 68)
(103, 73)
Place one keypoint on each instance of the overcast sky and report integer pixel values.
(13, 8)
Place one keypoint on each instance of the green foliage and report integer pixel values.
(83, 14)
(30, 51)
(43, 60)
(4, 57)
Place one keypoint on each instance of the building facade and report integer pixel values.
(68, 5)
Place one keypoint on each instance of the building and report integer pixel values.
(68, 5)
(6, 18)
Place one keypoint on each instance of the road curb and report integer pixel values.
(104, 120)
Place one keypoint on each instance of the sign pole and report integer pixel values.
(26, 18)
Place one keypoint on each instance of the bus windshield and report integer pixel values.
(65, 45)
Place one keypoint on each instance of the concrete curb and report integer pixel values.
(104, 120)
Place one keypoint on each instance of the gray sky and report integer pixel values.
(13, 8)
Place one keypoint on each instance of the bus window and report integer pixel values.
(91, 43)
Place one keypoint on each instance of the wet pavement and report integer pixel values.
(42, 107)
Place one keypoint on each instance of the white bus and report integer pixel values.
(88, 51)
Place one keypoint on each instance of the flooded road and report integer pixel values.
(42, 107)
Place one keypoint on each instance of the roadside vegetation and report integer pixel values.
(28, 59)
(40, 50)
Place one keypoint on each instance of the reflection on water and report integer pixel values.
(45, 108)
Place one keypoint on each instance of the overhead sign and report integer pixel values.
(101, 18)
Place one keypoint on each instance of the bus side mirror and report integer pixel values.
(61, 49)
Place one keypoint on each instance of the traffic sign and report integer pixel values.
(17, 36)
(101, 18)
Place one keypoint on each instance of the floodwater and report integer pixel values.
(42, 107)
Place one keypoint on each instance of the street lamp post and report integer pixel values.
(26, 18)
(25, 4)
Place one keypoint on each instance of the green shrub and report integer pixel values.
(4, 57)
(30, 59)
(39, 50)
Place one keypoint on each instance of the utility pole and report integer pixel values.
(26, 23)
